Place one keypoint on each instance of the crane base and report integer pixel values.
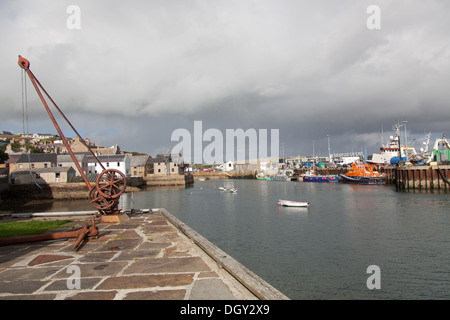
(114, 218)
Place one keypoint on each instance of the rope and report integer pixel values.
(443, 177)
(24, 104)
(25, 121)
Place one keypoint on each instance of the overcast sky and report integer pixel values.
(135, 71)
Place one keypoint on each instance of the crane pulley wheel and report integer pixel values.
(98, 201)
(111, 183)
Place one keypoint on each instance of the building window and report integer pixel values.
(57, 175)
(159, 170)
(173, 170)
(107, 164)
(118, 164)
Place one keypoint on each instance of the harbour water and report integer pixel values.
(320, 252)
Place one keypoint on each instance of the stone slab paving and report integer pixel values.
(144, 257)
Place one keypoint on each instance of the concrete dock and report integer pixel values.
(147, 256)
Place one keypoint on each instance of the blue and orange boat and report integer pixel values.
(312, 176)
(320, 178)
(363, 174)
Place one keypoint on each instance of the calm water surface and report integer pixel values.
(321, 252)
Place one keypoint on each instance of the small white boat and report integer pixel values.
(201, 179)
(289, 203)
(233, 190)
(222, 188)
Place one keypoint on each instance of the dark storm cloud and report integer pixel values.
(138, 70)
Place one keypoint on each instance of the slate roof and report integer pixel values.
(139, 161)
(37, 157)
(108, 158)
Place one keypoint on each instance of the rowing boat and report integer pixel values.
(289, 203)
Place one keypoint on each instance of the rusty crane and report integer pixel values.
(103, 195)
(110, 183)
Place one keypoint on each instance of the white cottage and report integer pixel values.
(119, 162)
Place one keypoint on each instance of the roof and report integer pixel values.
(137, 161)
(67, 158)
(44, 170)
(161, 158)
(108, 158)
(37, 157)
(13, 158)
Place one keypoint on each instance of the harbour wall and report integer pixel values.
(168, 180)
(430, 178)
(224, 175)
(434, 178)
(55, 191)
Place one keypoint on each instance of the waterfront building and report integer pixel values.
(42, 175)
(167, 164)
(65, 160)
(32, 161)
(139, 165)
(119, 162)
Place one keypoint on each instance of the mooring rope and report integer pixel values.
(443, 177)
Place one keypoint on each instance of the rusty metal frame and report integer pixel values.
(104, 198)
(80, 235)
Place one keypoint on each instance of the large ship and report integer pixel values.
(388, 150)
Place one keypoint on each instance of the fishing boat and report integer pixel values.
(363, 174)
(320, 178)
(289, 203)
(311, 176)
(392, 152)
(279, 177)
(262, 177)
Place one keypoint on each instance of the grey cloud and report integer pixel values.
(308, 68)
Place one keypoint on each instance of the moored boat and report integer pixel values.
(320, 178)
(290, 203)
(363, 174)
(312, 176)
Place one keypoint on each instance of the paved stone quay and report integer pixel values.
(147, 256)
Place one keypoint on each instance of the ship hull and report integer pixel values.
(363, 180)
